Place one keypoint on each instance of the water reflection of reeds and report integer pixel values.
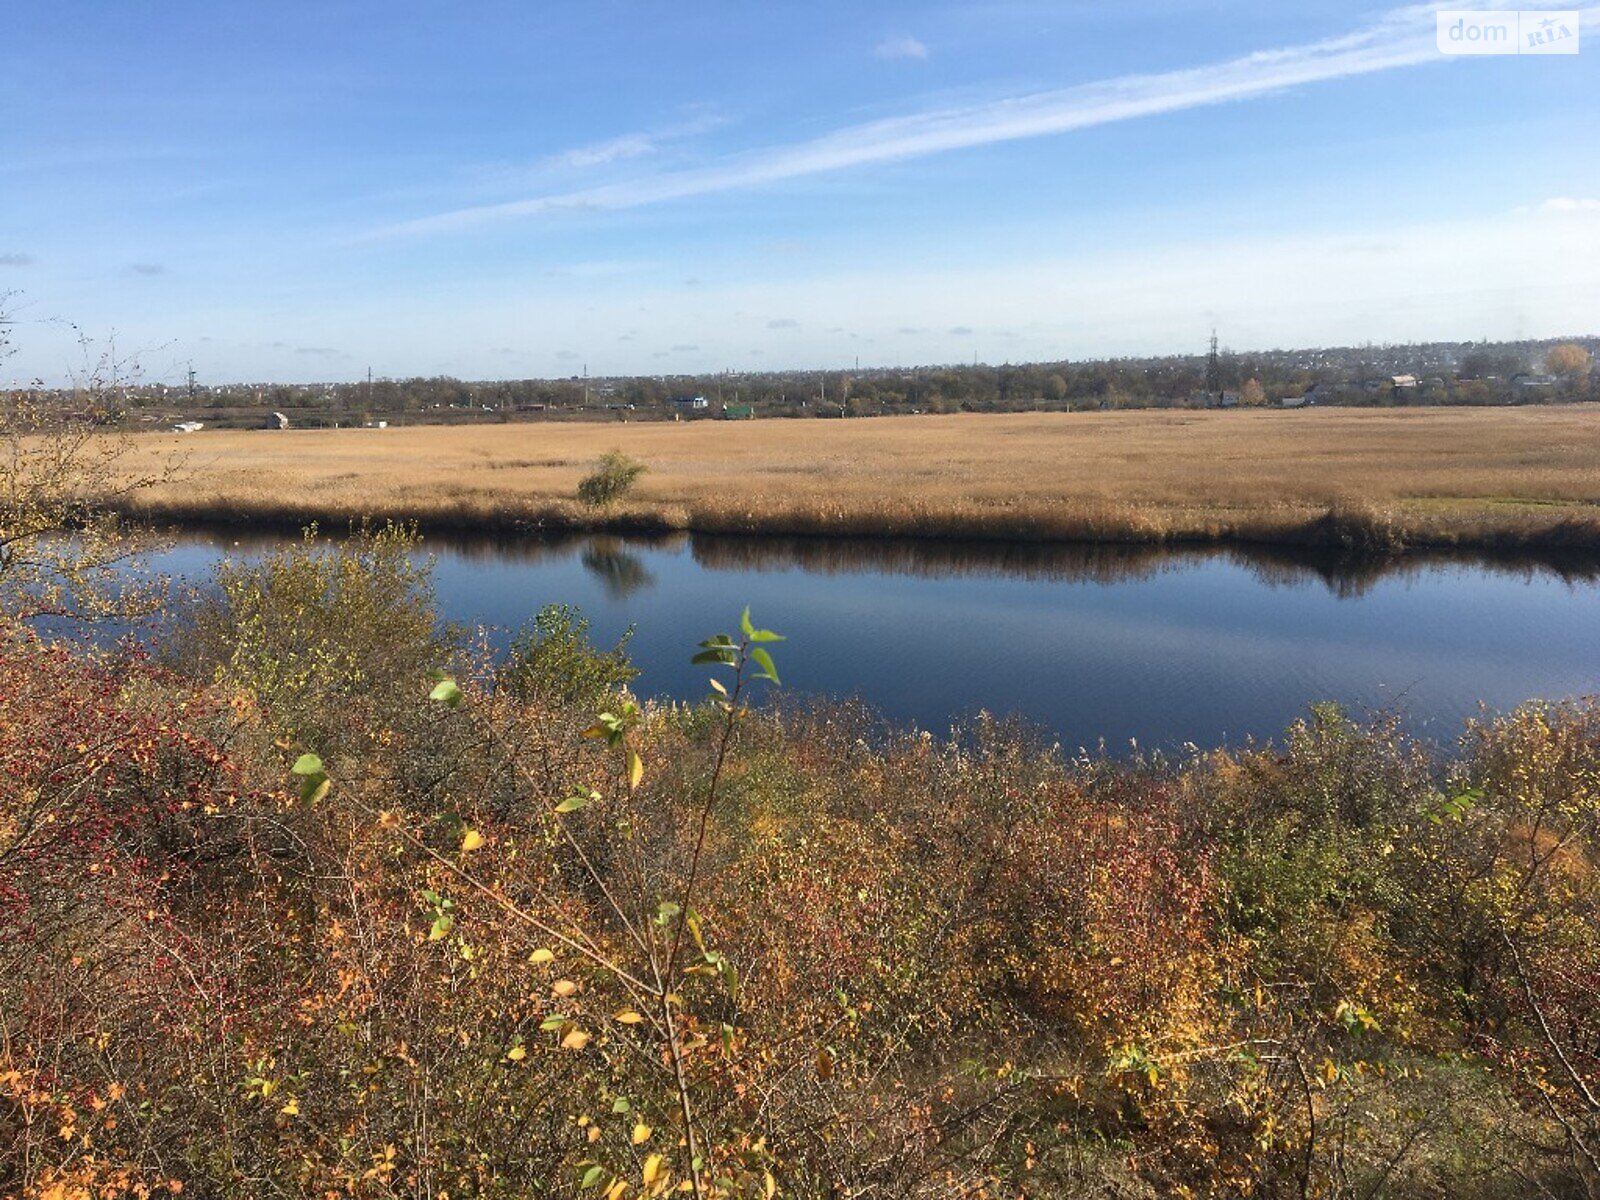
(1345, 575)
(621, 562)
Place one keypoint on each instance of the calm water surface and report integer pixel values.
(1093, 644)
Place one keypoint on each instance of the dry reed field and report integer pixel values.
(1374, 478)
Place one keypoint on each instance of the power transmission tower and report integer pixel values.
(191, 385)
(1214, 369)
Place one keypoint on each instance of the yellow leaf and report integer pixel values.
(541, 956)
(564, 988)
(641, 1133)
(635, 769)
(628, 1017)
(471, 841)
(517, 1053)
(614, 1192)
(771, 1184)
(652, 1168)
(576, 1040)
(389, 819)
(291, 1109)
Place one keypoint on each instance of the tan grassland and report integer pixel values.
(1365, 478)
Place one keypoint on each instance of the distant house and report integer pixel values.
(188, 427)
(1228, 400)
(738, 412)
(690, 403)
(1403, 382)
(1305, 401)
(1533, 382)
(277, 421)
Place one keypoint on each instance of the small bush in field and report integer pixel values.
(610, 481)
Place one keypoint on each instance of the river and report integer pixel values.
(1093, 644)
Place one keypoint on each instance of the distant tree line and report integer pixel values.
(1441, 373)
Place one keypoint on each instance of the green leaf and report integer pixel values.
(446, 692)
(720, 654)
(552, 1023)
(744, 623)
(593, 1176)
(766, 635)
(764, 661)
(621, 1105)
(572, 803)
(307, 764)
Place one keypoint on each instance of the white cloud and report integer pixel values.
(597, 154)
(1567, 204)
(632, 145)
(1403, 37)
(900, 47)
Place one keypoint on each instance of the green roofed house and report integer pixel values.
(738, 412)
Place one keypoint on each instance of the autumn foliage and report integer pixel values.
(1344, 965)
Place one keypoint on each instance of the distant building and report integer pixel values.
(1305, 401)
(1403, 382)
(690, 403)
(738, 412)
(188, 427)
(277, 421)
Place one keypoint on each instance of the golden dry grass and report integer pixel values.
(1355, 476)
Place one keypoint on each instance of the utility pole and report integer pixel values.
(1214, 370)
(191, 385)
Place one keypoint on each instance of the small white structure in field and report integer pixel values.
(188, 427)
(277, 421)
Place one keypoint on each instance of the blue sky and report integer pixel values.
(297, 191)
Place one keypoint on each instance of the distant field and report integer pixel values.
(1351, 476)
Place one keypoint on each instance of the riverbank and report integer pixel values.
(1359, 479)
